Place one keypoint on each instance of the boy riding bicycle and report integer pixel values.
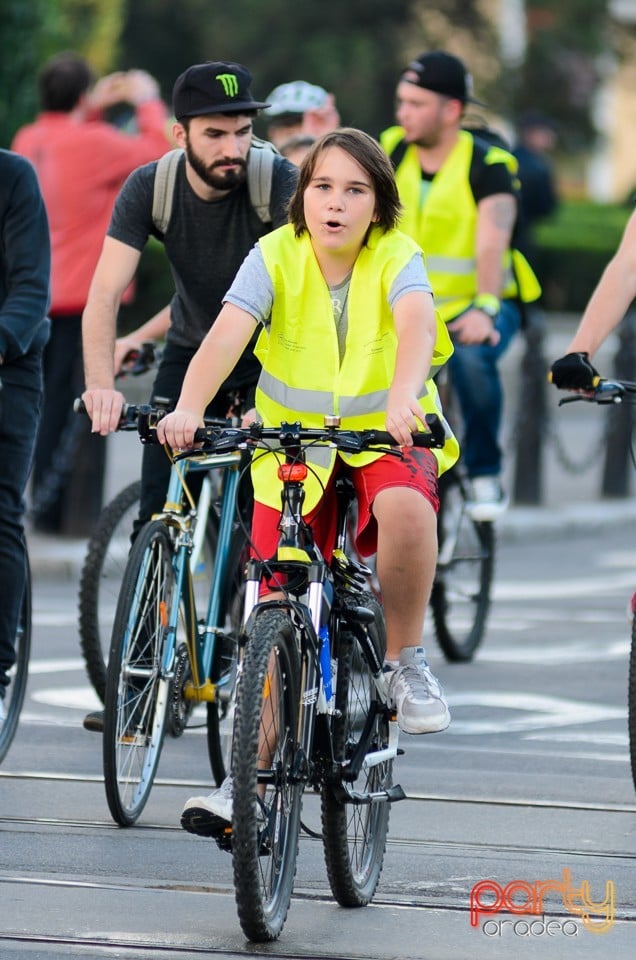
(348, 327)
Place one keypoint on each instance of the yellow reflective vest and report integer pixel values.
(445, 226)
(302, 377)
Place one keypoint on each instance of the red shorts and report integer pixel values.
(417, 469)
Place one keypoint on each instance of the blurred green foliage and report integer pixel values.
(574, 248)
(34, 30)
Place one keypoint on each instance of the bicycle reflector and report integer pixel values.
(292, 472)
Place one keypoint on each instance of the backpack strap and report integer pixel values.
(260, 167)
(397, 153)
(163, 193)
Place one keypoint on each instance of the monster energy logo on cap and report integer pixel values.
(229, 83)
(217, 87)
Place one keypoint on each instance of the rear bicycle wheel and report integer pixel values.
(137, 689)
(266, 800)
(18, 674)
(101, 578)
(354, 834)
(631, 703)
(460, 598)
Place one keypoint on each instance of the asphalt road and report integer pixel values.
(531, 783)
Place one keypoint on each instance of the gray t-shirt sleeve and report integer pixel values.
(252, 288)
(412, 277)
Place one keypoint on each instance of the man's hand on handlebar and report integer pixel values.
(178, 428)
(574, 372)
(104, 407)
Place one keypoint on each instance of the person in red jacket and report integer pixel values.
(81, 162)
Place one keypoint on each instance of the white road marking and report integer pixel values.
(561, 589)
(584, 651)
(538, 712)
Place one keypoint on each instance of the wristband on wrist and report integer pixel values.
(488, 303)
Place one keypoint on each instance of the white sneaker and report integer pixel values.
(487, 499)
(209, 816)
(417, 695)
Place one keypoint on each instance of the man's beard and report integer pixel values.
(227, 180)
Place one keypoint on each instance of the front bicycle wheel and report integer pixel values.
(101, 578)
(18, 674)
(137, 688)
(460, 598)
(631, 703)
(267, 799)
(220, 712)
(354, 833)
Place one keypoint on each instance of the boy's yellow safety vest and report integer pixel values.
(445, 226)
(302, 377)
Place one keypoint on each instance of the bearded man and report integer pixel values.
(212, 227)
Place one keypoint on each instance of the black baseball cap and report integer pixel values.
(442, 73)
(215, 87)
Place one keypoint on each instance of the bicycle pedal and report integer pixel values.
(224, 840)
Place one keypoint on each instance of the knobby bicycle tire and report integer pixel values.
(101, 578)
(631, 703)
(18, 675)
(354, 835)
(266, 820)
(137, 691)
(460, 598)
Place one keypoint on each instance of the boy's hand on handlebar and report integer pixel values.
(404, 416)
(104, 407)
(574, 372)
(178, 428)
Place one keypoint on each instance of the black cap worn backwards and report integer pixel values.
(442, 73)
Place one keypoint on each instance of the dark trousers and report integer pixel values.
(20, 403)
(70, 461)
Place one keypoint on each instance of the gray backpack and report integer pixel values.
(260, 165)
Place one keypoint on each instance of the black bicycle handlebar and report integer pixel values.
(607, 391)
(219, 436)
(293, 434)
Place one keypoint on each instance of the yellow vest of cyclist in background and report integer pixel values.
(302, 377)
(445, 226)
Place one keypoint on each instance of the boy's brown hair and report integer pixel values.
(369, 154)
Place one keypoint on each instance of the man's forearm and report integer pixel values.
(98, 337)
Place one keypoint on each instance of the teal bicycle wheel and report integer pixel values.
(138, 689)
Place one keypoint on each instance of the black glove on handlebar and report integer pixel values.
(574, 372)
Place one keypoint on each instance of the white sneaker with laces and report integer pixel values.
(209, 816)
(417, 695)
(487, 499)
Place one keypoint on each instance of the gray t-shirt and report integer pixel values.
(206, 242)
(253, 292)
